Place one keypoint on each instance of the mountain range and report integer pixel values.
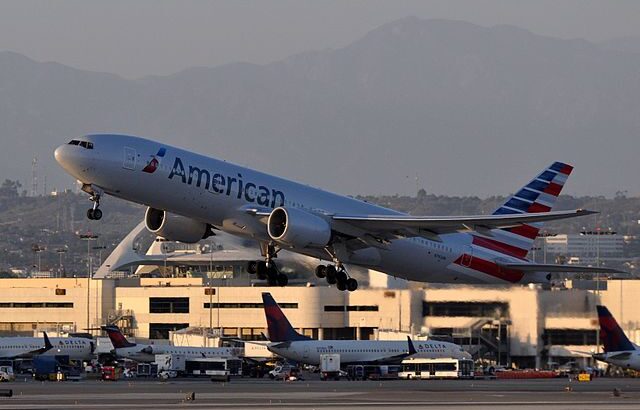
(449, 106)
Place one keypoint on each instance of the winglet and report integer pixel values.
(47, 343)
(412, 348)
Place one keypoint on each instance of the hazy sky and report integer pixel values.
(136, 38)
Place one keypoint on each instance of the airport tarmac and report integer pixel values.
(315, 394)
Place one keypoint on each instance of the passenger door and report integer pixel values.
(467, 256)
(129, 161)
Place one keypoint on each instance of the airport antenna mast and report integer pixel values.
(34, 176)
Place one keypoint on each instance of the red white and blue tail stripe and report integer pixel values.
(537, 196)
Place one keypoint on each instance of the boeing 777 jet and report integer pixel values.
(189, 196)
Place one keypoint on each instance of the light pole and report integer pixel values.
(99, 248)
(598, 232)
(88, 237)
(37, 249)
(210, 275)
(61, 252)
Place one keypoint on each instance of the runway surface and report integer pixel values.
(550, 394)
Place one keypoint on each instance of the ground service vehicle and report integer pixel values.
(112, 373)
(6, 374)
(146, 370)
(436, 369)
(215, 368)
(330, 366)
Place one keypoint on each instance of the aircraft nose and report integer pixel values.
(71, 160)
(61, 154)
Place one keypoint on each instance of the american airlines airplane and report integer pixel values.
(189, 196)
(77, 348)
(618, 349)
(287, 343)
(125, 349)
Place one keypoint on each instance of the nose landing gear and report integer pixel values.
(94, 213)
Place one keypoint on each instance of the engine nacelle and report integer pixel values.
(175, 227)
(296, 228)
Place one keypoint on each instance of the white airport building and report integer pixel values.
(526, 326)
(589, 248)
(184, 288)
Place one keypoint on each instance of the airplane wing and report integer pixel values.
(620, 356)
(47, 346)
(398, 358)
(408, 225)
(548, 267)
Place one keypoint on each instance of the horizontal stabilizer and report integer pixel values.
(549, 267)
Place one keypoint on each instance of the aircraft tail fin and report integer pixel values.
(280, 330)
(47, 342)
(118, 340)
(538, 196)
(611, 335)
(412, 349)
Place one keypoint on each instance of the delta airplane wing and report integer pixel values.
(188, 196)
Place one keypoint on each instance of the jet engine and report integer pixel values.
(175, 227)
(296, 228)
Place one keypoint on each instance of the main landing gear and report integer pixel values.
(337, 276)
(267, 269)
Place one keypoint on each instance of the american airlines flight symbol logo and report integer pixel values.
(154, 162)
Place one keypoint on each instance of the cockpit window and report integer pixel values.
(83, 144)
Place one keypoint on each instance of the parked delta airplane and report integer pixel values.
(287, 343)
(618, 350)
(124, 349)
(77, 348)
(188, 196)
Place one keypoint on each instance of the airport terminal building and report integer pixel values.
(526, 326)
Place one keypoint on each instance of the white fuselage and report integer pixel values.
(628, 359)
(364, 351)
(219, 193)
(147, 353)
(76, 348)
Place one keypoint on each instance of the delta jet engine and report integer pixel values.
(174, 227)
(295, 228)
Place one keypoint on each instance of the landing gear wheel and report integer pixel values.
(252, 267)
(97, 214)
(321, 271)
(272, 275)
(261, 270)
(352, 284)
(90, 213)
(331, 275)
(282, 279)
(341, 286)
(341, 276)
